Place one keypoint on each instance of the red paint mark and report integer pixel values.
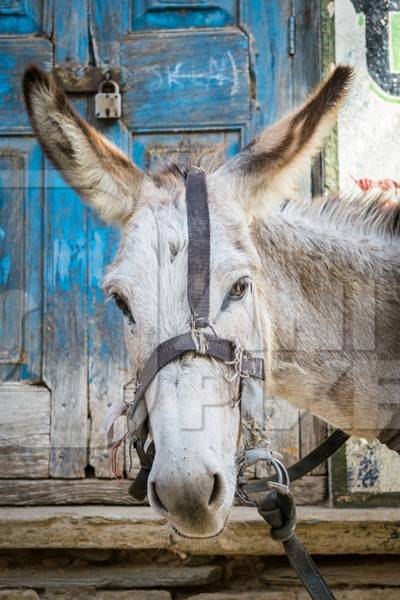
(384, 184)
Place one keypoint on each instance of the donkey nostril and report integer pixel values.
(217, 492)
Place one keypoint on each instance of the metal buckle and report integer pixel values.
(271, 460)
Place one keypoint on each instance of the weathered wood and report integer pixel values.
(87, 80)
(64, 492)
(148, 149)
(16, 54)
(323, 531)
(21, 277)
(309, 490)
(21, 17)
(25, 431)
(106, 40)
(117, 577)
(271, 73)
(65, 323)
(108, 372)
(108, 360)
(147, 14)
(307, 72)
(11, 251)
(71, 34)
(313, 432)
(186, 79)
(284, 419)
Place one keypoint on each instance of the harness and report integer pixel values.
(274, 501)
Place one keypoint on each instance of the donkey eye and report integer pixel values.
(123, 306)
(239, 288)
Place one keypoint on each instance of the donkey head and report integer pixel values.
(193, 422)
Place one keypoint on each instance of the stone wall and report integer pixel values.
(153, 575)
(116, 553)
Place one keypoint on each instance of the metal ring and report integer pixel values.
(281, 471)
(277, 465)
(240, 491)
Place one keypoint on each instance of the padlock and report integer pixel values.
(107, 105)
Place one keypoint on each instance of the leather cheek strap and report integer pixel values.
(198, 220)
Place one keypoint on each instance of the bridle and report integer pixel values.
(246, 366)
(276, 505)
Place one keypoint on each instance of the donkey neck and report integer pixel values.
(332, 307)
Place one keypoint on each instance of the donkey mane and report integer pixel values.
(168, 173)
(363, 217)
(374, 216)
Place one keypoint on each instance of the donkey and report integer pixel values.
(324, 276)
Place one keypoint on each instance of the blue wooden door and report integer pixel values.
(193, 74)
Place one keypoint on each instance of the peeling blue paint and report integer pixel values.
(368, 471)
(5, 265)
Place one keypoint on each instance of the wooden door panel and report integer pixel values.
(25, 431)
(12, 256)
(70, 34)
(148, 149)
(164, 14)
(65, 324)
(179, 80)
(106, 40)
(271, 66)
(18, 17)
(108, 371)
(20, 259)
(16, 54)
(65, 320)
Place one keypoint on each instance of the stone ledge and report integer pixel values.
(113, 576)
(323, 530)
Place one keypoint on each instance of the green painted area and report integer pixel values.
(391, 99)
(394, 24)
(361, 20)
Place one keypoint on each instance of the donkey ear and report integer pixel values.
(282, 153)
(100, 173)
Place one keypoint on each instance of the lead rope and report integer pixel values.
(277, 507)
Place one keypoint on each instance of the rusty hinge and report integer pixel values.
(292, 35)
